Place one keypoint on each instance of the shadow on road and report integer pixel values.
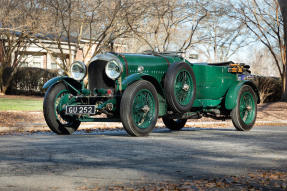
(112, 155)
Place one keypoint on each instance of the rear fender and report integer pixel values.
(232, 94)
(69, 82)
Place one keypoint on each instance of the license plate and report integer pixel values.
(81, 109)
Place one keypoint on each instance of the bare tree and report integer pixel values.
(265, 23)
(96, 24)
(166, 25)
(19, 20)
(222, 39)
(64, 30)
(263, 63)
(283, 6)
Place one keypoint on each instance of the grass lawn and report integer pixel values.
(20, 103)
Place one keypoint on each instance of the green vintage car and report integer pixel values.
(137, 89)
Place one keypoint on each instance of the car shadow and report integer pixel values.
(123, 133)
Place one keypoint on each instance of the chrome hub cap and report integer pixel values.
(185, 87)
(146, 109)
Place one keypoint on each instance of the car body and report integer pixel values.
(137, 89)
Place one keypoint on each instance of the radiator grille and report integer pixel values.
(97, 76)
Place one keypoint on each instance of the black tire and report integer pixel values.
(70, 124)
(169, 86)
(245, 122)
(129, 110)
(174, 124)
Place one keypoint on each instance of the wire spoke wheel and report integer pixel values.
(139, 108)
(244, 114)
(180, 87)
(247, 107)
(183, 87)
(56, 99)
(143, 108)
(61, 101)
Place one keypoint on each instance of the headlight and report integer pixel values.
(113, 69)
(78, 70)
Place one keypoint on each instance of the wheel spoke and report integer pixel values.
(61, 100)
(183, 94)
(247, 108)
(143, 108)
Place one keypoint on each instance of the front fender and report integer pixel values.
(70, 82)
(54, 81)
(131, 79)
(232, 94)
(141, 76)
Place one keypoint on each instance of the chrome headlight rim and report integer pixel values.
(118, 65)
(81, 65)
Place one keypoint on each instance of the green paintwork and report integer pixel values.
(204, 103)
(232, 94)
(162, 106)
(214, 84)
(247, 108)
(143, 109)
(86, 92)
(130, 79)
(155, 66)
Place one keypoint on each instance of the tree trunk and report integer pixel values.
(5, 84)
(1, 69)
(283, 6)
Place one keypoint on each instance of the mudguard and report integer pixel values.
(74, 84)
(141, 76)
(232, 94)
(131, 79)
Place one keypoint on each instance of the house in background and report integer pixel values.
(47, 55)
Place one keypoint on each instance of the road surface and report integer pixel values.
(45, 161)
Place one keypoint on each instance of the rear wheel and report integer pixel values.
(174, 124)
(55, 101)
(244, 114)
(139, 108)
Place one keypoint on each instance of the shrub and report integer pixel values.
(28, 81)
(269, 88)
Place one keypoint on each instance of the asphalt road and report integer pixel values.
(45, 161)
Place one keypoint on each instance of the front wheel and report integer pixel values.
(55, 101)
(244, 114)
(139, 108)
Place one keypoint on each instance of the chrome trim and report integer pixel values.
(84, 66)
(108, 57)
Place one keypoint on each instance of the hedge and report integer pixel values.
(270, 88)
(28, 81)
